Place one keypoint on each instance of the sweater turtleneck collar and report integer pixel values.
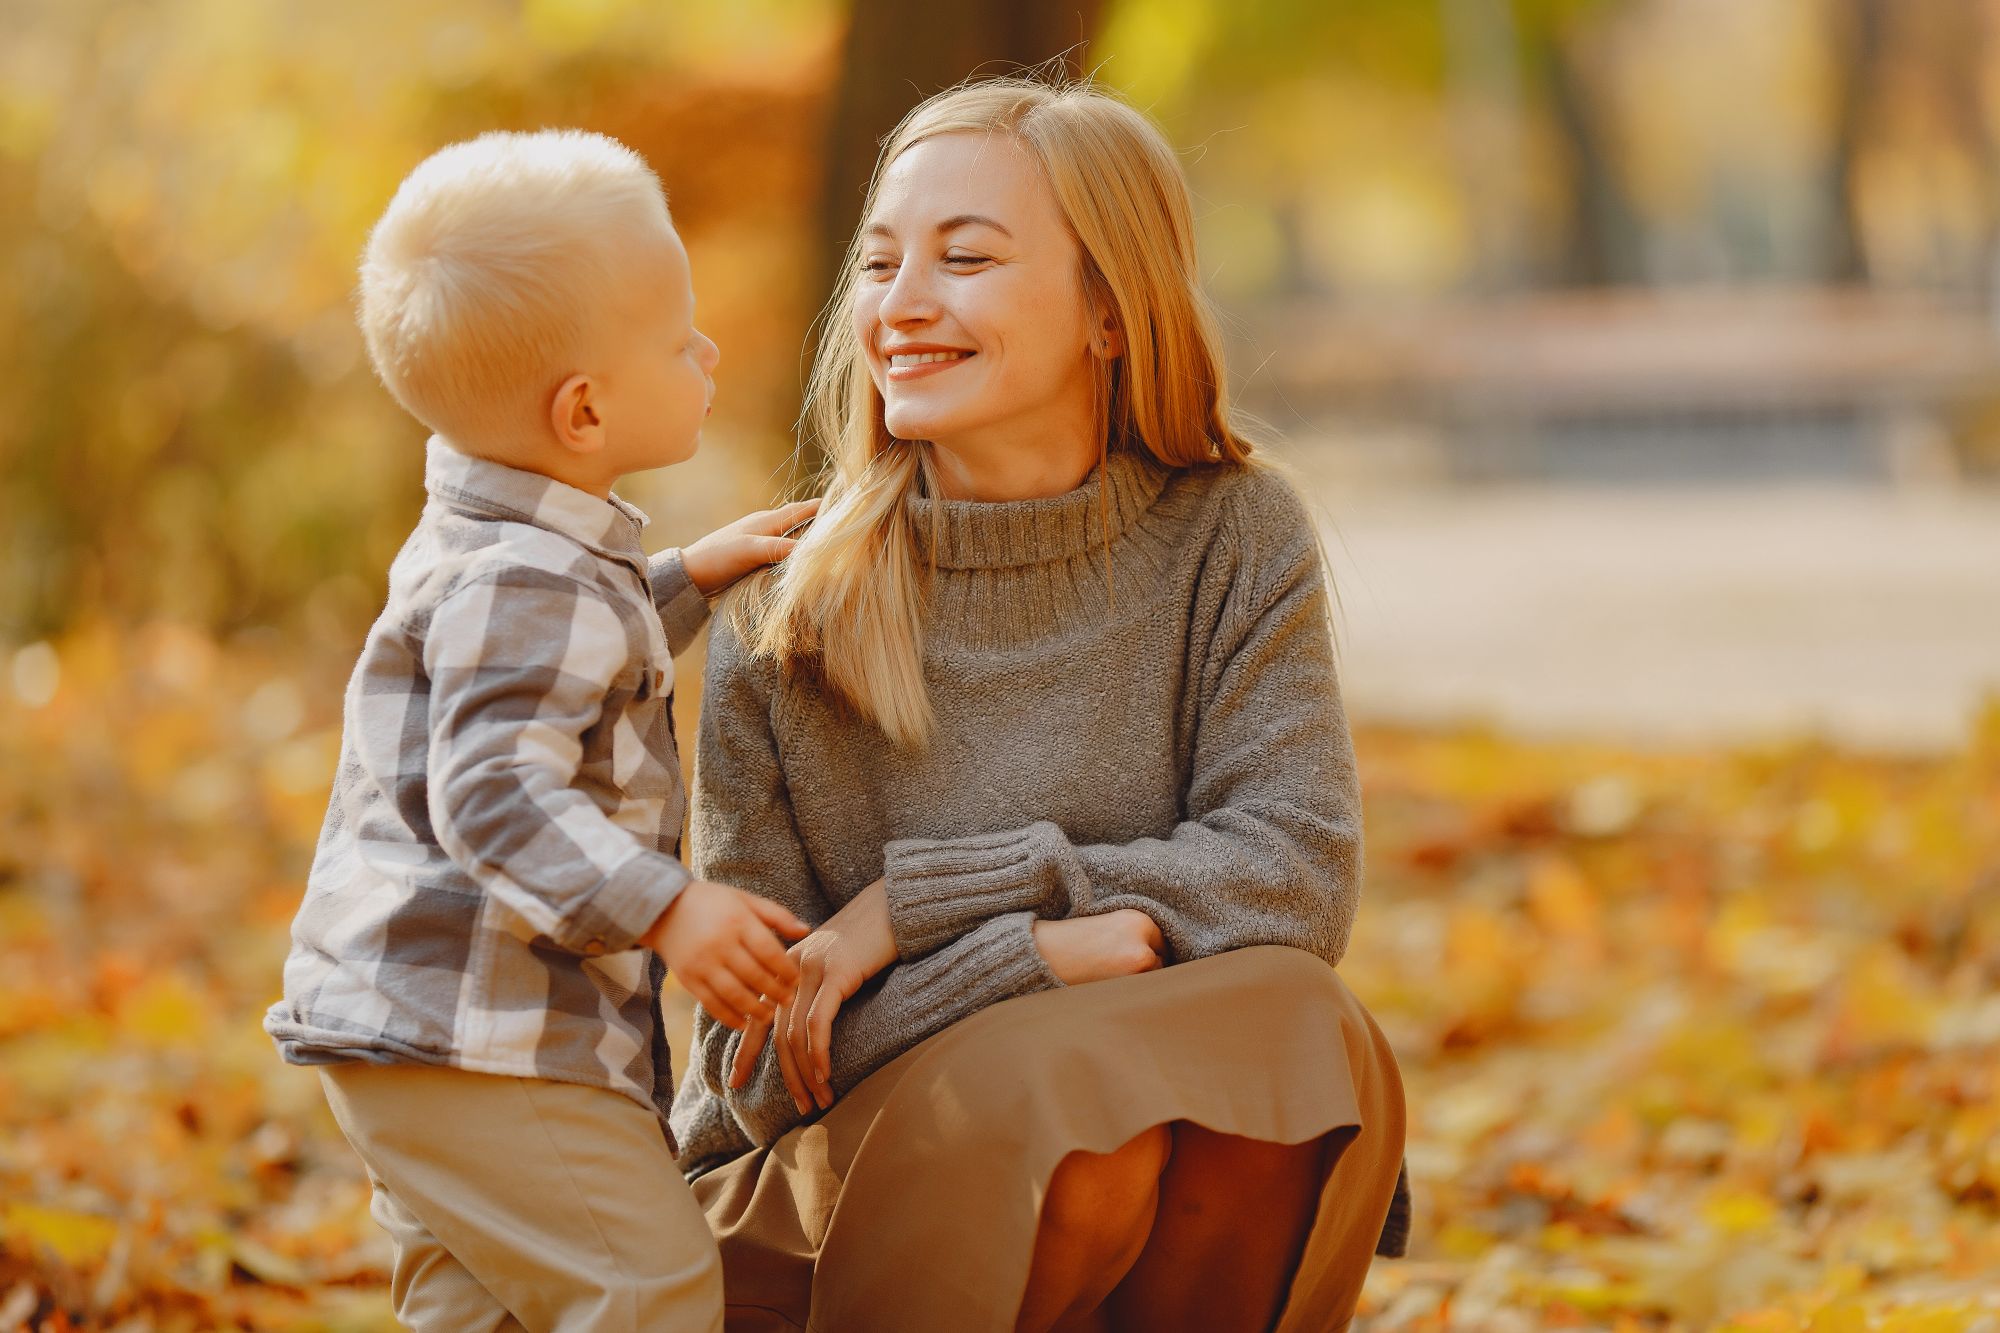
(980, 534)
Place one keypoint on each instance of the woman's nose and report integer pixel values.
(909, 299)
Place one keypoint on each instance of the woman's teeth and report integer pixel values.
(898, 362)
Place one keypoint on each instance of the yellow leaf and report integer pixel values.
(1886, 1001)
(1916, 1319)
(1562, 900)
(1596, 1295)
(76, 1238)
(166, 1011)
(1738, 1212)
(1461, 1240)
(1845, 1317)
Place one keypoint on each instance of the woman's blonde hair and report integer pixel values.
(848, 603)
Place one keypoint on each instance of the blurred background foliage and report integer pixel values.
(190, 430)
(1695, 1037)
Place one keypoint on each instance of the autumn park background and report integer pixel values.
(1643, 357)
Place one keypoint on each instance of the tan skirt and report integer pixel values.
(912, 1203)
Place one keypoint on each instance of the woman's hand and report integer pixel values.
(1094, 948)
(834, 962)
(751, 542)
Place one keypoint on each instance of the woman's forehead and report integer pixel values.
(964, 175)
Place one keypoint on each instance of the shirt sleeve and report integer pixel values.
(683, 610)
(520, 663)
(1270, 849)
(743, 834)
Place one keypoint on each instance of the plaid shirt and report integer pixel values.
(507, 812)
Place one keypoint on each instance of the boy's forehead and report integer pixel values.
(657, 247)
(657, 266)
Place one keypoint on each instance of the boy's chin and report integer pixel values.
(669, 454)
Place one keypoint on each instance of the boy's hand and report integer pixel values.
(719, 941)
(751, 542)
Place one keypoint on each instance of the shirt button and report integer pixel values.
(593, 947)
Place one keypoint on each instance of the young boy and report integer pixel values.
(476, 966)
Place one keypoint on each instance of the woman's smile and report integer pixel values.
(910, 363)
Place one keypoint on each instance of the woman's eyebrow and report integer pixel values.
(956, 221)
(952, 223)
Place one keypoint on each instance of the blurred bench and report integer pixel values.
(1724, 384)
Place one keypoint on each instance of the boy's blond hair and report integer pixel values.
(482, 280)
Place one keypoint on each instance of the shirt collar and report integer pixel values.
(482, 486)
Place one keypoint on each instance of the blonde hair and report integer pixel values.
(848, 603)
(481, 280)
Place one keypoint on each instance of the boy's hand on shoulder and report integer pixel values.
(751, 542)
(722, 944)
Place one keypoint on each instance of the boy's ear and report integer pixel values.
(573, 416)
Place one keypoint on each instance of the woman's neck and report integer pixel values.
(1023, 472)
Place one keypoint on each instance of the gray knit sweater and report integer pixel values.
(1173, 742)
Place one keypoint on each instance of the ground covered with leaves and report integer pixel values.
(1691, 1041)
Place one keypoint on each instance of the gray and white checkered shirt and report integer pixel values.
(506, 816)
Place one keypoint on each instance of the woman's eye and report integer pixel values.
(965, 259)
(876, 266)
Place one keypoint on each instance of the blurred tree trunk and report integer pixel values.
(1858, 52)
(899, 52)
(1949, 40)
(1604, 247)
(1958, 37)
(1484, 94)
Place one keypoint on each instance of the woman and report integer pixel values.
(1043, 701)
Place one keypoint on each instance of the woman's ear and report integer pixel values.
(1108, 342)
(573, 416)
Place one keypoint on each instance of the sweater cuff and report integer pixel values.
(938, 889)
(683, 610)
(1000, 963)
(624, 906)
(997, 962)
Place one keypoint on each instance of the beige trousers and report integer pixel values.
(519, 1203)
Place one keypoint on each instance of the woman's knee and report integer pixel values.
(1108, 1194)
